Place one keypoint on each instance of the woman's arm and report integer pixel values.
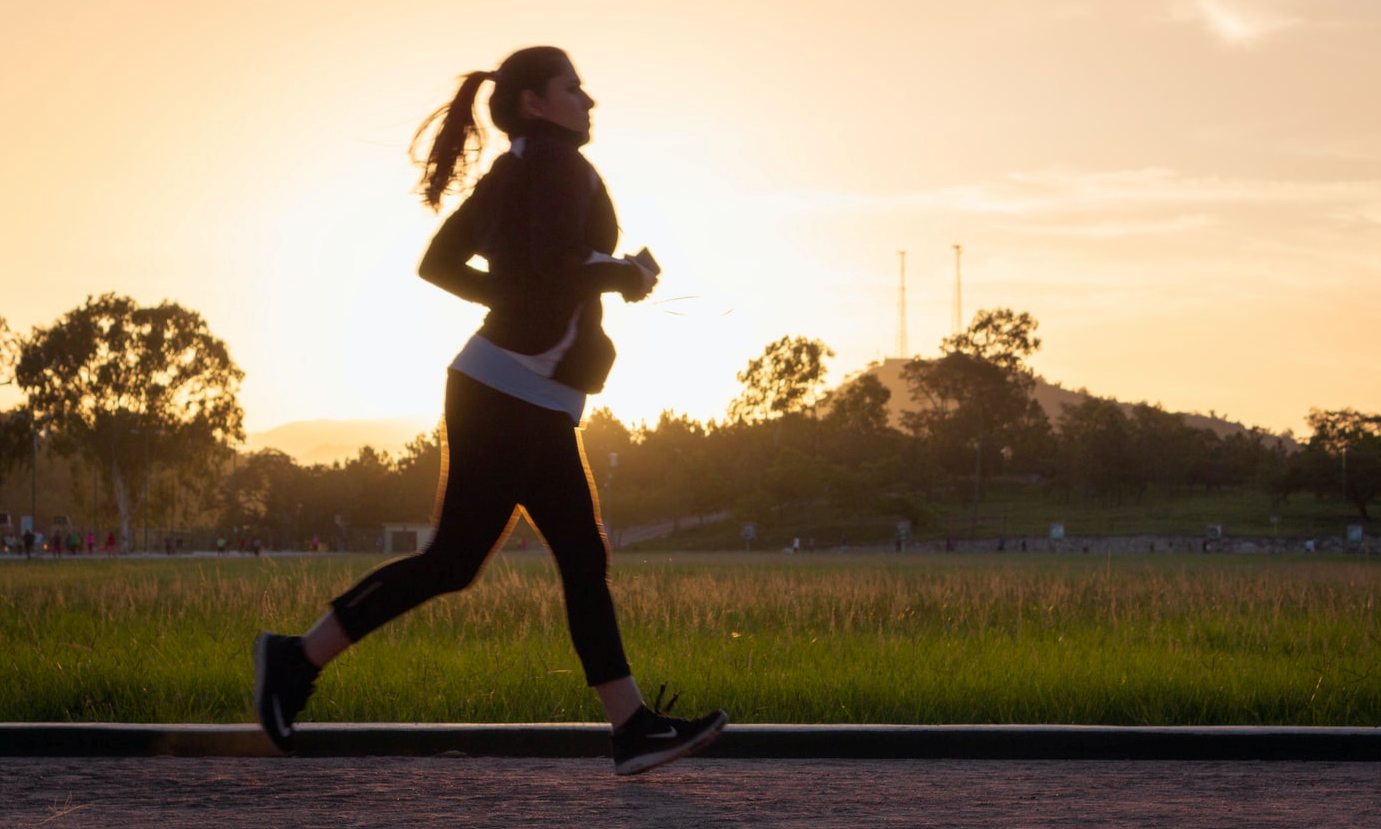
(561, 195)
(445, 264)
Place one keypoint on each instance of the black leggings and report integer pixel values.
(501, 453)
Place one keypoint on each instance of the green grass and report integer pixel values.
(1012, 510)
(865, 639)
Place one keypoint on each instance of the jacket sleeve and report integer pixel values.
(445, 264)
(562, 189)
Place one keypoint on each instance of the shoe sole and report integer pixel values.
(261, 669)
(645, 762)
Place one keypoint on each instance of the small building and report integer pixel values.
(406, 537)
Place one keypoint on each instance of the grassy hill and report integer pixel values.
(1053, 398)
(326, 441)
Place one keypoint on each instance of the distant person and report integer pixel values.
(29, 540)
(91, 541)
(544, 222)
(110, 543)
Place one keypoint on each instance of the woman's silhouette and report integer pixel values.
(543, 221)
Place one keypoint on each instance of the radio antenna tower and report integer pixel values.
(901, 309)
(958, 291)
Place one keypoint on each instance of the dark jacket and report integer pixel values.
(537, 219)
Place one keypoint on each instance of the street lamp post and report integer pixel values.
(33, 472)
(145, 509)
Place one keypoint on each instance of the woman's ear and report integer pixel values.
(530, 104)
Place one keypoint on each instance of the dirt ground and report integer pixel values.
(463, 791)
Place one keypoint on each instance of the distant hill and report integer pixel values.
(326, 441)
(1052, 399)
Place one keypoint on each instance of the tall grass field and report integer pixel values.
(827, 638)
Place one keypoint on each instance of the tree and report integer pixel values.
(999, 336)
(606, 440)
(860, 406)
(1350, 442)
(1097, 449)
(975, 400)
(670, 466)
(1164, 447)
(787, 378)
(129, 388)
(268, 488)
(14, 425)
(418, 473)
(9, 352)
(370, 489)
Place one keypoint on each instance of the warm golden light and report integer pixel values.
(1187, 195)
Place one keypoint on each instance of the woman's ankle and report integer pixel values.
(325, 640)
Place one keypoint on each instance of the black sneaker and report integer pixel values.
(651, 738)
(283, 680)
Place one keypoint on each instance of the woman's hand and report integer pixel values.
(648, 269)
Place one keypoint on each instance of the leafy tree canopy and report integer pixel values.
(787, 378)
(860, 406)
(1354, 439)
(999, 336)
(130, 386)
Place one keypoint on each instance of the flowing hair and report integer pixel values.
(458, 139)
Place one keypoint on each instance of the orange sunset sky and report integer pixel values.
(1186, 194)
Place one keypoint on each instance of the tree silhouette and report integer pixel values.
(129, 388)
(975, 400)
(14, 425)
(999, 336)
(786, 378)
(860, 406)
(1349, 442)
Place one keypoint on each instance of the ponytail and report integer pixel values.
(456, 146)
(459, 140)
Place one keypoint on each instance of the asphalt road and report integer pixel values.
(169, 792)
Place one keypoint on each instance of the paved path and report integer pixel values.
(169, 792)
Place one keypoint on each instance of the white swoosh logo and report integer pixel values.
(278, 716)
(670, 733)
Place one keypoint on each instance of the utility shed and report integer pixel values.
(406, 538)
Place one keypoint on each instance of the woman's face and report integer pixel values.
(563, 102)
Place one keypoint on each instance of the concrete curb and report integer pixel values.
(976, 742)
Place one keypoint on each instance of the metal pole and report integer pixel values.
(145, 509)
(33, 480)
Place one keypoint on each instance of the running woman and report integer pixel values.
(544, 222)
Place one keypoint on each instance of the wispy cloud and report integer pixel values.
(1055, 191)
(1347, 148)
(1237, 22)
(1117, 229)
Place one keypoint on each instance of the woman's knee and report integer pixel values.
(589, 567)
(447, 572)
